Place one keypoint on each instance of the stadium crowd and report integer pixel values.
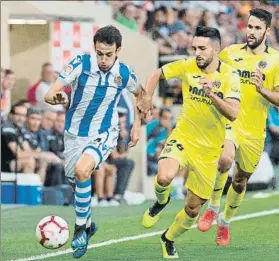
(32, 131)
(172, 25)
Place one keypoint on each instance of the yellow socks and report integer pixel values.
(221, 179)
(181, 224)
(162, 193)
(233, 201)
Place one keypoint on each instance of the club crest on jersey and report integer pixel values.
(216, 84)
(68, 69)
(262, 64)
(118, 80)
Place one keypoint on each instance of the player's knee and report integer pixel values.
(225, 163)
(82, 173)
(165, 176)
(192, 210)
(239, 184)
(163, 179)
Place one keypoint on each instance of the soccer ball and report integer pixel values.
(52, 232)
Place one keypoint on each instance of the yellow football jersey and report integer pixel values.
(251, 121)
(202, 125)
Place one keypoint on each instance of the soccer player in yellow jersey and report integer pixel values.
(258, 67)
(210, 97)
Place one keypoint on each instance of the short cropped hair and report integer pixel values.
(263, 15)
(209, 32)
(108, 35)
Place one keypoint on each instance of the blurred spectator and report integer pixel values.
(127, 16)
(56, 142)
(179, 35)
(48, 78)
(273, 134)
(48, 119)
(7, 83)
(104, 185)
(276, 27)
(120, 159)
(158, 131)
(25, 103)
(207, 19)
(51, 131)
(141, 18)
(152, 160)
(45, 77)
(32, 134)
(36, 93)
(14, 157)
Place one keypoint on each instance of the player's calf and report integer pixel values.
(239, 184)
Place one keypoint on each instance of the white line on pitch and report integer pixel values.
(140, 236)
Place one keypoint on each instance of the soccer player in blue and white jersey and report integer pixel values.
(91, 128)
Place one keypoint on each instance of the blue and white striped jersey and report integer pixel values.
(95, 95)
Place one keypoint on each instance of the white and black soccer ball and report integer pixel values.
(52, 232)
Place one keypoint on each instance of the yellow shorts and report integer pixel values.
(231, 135)
(202, 166)
(249, 153)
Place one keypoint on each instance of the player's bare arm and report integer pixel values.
(145, 103)
(135, 131)
(228, 107)
(56, 95)
(271, 96)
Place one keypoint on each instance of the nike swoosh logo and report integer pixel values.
(196, 76)
(218, 189)
(238, 60)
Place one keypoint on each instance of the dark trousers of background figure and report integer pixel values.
(55, 175)
(124, 170)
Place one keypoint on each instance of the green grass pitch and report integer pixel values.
(251, 239)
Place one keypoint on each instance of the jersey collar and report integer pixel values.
(245, 47)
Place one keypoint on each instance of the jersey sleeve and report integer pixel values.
(234, 86)
(72, 71)
(224, 55)
(132, 84)
(174, 69)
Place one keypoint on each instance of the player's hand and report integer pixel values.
(144, 104)
(135, 135)
(257, 80)
(206, 84)
(60, 98)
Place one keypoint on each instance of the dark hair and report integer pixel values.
(162, 110)
(108, 35)
(209, 32)
(34, 110)
(23, 101)
(13, 108)
(263, 15)
(182, 13)
(123, 8)
(8, 71)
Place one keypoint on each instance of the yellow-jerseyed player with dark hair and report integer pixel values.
(258, 67)
(210, 97)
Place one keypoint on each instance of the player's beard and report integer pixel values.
(205, 64)
(257, 42)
